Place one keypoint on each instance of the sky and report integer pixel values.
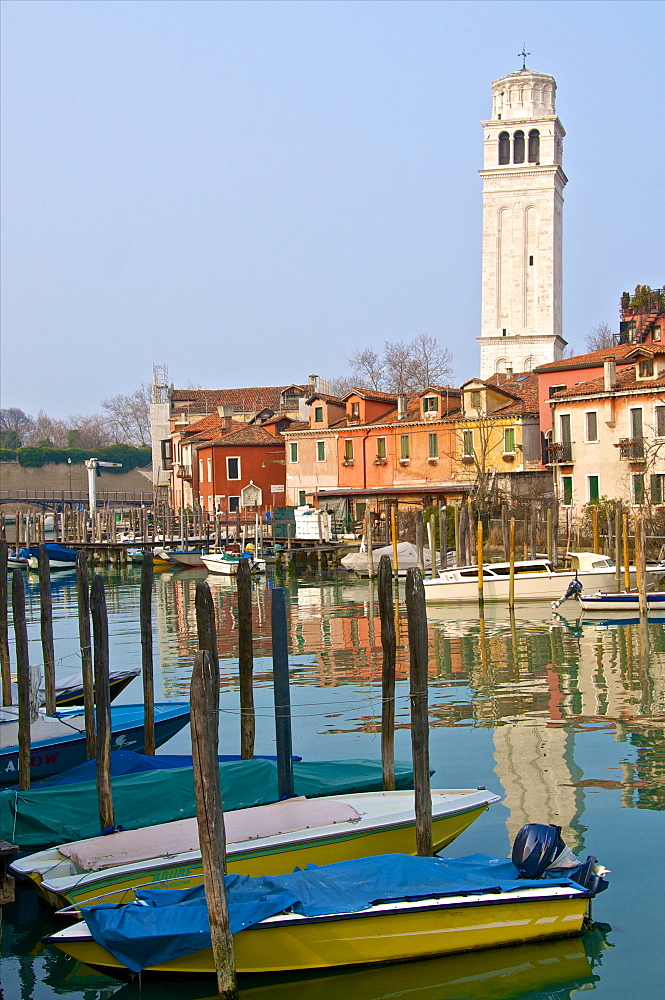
(248, 192)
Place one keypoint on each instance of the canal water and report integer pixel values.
(563, 718)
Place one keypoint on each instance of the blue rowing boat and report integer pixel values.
(59, 556)
(58, 742)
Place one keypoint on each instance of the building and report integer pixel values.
(523, 184)
(222, 461)
(609, 434)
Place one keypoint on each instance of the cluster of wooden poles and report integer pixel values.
(204, 699)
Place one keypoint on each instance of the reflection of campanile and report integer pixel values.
(522, 225)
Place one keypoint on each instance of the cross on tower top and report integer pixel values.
(523, 54)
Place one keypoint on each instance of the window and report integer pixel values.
(233, 468)
(355, 411)
(646, 368)
(282, 426)
(636, 432)
(518, 147)
(638, 487)
(556, 388)
(201, 478)
(658, 488)
(504, 148)
(530, 260)
(509, 441)
(318, 414)
(167, 453)
(381, 446)
(659, 420)
(348, 450)
(475, 399)
(655, 334)
(234, 505)
(302, 498)
(591, 425)
(209, 470)
(567, 490)
(592, 488)
(534, 146)
(293, 447)
(467, 443)
(433, 445)
(320, 451)
(430, 404)
(405, 447)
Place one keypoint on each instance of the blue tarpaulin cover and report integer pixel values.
(166, 924)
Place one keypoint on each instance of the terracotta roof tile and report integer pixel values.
(250, 398)
(619, 352)
(626, 381)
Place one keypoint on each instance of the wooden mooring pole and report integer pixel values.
(5, 663)
(85, 645)
(511, 567)
(205, 622)
(617, 544)
(418, 657)
(46, 613)
(481, 594)
(280, 666)
(146, 655)
(204, 698)
(389, 645)
(22, 679)
(246, 660)
(100, 631)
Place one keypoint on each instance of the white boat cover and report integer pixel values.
(167, 839)
(407, 558)
(45, 727)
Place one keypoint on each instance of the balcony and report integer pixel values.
(631, 449)
(184, 472)
(560, 454)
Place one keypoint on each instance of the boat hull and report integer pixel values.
(622, 602)
(387, 933)
(542, 586)
(255, 858)
(190, 560)
(49, 757)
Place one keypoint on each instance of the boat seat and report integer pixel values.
(168, 839)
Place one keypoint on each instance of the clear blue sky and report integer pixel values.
(249, 191)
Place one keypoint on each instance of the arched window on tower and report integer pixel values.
(534, 146)
(518, 146)
(504, 148)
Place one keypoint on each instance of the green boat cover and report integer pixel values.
(46, 817)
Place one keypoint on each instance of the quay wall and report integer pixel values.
(56, 477)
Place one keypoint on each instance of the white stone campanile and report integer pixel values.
(523, 186)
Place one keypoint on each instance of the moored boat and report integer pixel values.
(58, 741)
(190, 559)
(365, 911)
(630, 603)
(535, 579)
(59, 556)
(225, 563)
(264, 840)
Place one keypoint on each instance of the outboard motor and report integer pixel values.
(539, 852)
(574, 590)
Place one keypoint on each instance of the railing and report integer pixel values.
(75, 497)
(184, 472)
(560, 454)
(631, 449)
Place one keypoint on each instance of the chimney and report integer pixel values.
(509, 371)
(313, 380)
(401, 407)
(610, 374)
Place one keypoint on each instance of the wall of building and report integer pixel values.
(56, 477)
(257, 465)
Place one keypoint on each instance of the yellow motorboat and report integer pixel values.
(263, 840)
(368, 911)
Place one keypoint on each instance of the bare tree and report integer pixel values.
(15, 425)
(431, 363)
(367, 368)
(341, 385)
(131, 415)
(406, 365)
(398, 363)
(600, 337)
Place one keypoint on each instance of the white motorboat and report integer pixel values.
(225, 563)
(535, 579)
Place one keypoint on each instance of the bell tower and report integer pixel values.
(523, 184)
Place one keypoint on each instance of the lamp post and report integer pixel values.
(69, 464)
